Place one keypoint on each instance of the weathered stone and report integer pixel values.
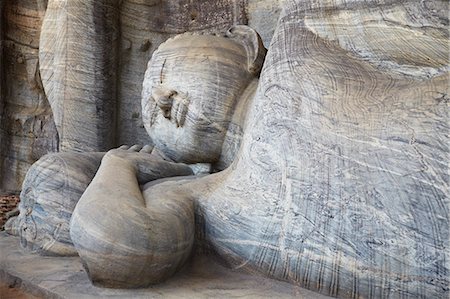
(78, 63)
(191, 91)
(27, 131)
(202, 278)
(263, 16)
(340, 182)
(132, 31)
(51, 189)
(155, 22)
(70, 73)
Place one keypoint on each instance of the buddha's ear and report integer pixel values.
(251, 41)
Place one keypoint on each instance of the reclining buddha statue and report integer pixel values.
(340, 181)
(193, 102)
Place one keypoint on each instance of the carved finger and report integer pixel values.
(123, 147)
(147, 149)
(135, 148)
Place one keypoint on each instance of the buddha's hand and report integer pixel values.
(148, 165)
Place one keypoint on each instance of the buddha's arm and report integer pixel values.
(122, 242)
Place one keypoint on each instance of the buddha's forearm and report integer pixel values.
(114, 184)
(119, 239)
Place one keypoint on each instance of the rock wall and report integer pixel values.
(78, 63)
(341, 184)
(96, 112)
(144, 27)
(130, 31)
(263, 15)
(27, 127)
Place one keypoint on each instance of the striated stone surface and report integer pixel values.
(78, 63)
(144, 26)
(51, 189)
(193, 87)
(341, 184)
(27, 131)
(152, 248)
(263, 15)
(341, 181)
(97, 60)
(63, 277)
(97, 111)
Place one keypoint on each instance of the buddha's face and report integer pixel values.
(190, 90)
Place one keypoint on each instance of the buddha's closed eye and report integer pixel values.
(180, 108)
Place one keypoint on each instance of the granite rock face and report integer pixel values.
(194, 88)
(144, 26)
(93, 84)
(341, 184)
(51, 190)
(341, 180)
(78, 61)
(263, 16)
(98, 58)
(27, 130)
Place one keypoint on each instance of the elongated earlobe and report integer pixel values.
(251, 41)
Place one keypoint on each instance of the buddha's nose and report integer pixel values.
(165, 104)
(164, 100)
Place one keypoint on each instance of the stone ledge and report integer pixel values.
(64, 277)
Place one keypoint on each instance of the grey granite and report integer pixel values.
(64, 277)
(341, 180)
(27, 120)
(27, 129)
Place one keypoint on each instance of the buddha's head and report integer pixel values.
(191, 87)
